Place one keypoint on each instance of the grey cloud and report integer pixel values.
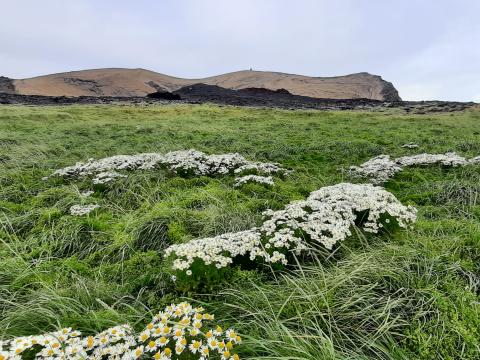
(428, 49)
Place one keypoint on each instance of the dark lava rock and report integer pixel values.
(253, 97)
(389, 92)
(266, 98)
(165, 95)
(264, 91)
(205, 90)
(6, 85)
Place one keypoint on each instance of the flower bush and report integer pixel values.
(87, 193)
(80, 210)
(262, 168)
(266, 180)
(410, 146)
(183, 162)
(179, 332)
(382, 168)
(107, 176)
(325, 217)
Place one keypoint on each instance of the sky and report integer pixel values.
(429, 49)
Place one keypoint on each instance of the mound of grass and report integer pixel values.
(404, 295)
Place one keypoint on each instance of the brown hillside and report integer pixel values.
(140, 82)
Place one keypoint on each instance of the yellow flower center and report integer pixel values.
(90, 341)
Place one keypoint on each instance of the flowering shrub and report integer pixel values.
(183, 162)
(326, 217)
(87, 193)
(106, 177)
(410, 146)
(381, 168)
(266, 180)
(178, 332)
(447, 159)
(80, 210)
(475, 160)
(262, 168)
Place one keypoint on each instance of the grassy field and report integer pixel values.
(410, 294)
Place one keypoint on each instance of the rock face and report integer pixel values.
(140, 82)
(6, 85)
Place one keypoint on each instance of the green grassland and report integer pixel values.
(408, 294)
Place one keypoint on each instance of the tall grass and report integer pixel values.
(407, 295)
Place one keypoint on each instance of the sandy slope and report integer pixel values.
(139, 82)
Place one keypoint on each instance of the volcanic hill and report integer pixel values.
(140, 82)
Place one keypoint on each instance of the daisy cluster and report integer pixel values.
(106, 177)
(382, 168)
(80, 210)
(181, 162)
(325, 217)
(266, 180)
(178, 330)
(410, 146)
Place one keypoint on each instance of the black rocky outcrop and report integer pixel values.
(6, 85)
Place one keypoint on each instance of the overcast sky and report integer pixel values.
(429, 49)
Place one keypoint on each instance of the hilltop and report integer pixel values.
(140, 82)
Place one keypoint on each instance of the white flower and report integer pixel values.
(381, 168)
(326, 217)
(264, 168)
(184, 162)
(106, 177)
(410, 146)
(79, 210)
(119, 342)
(267, 180)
